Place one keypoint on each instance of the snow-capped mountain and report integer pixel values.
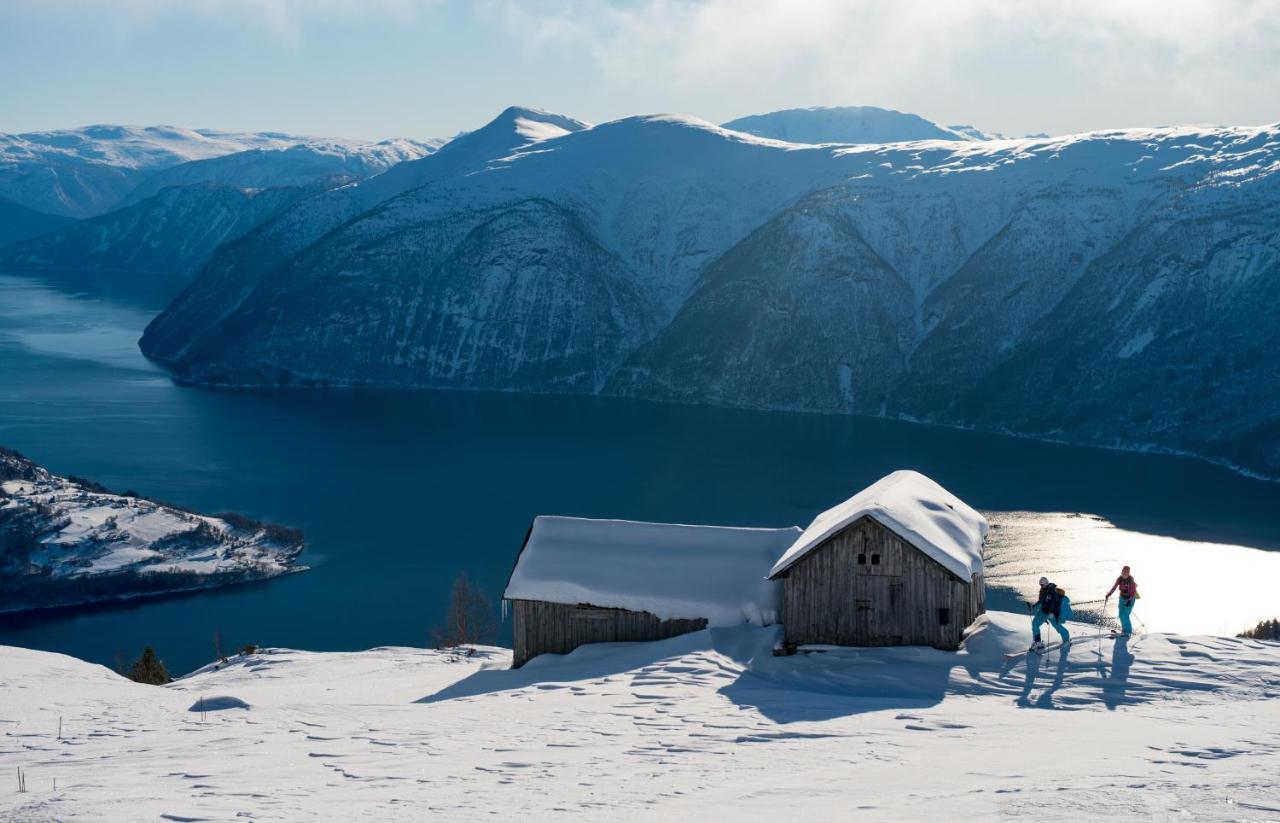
(298, 165)
(163, 232)
(84, 172)
(81, 172)
(65, 540)
(849, 124)
(1108, 287)
(239, 267)
(974, 133)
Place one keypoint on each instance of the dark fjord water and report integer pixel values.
(399, 491)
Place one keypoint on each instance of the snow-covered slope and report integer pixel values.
(668, 258)
(65, 540)
(83, 172)
(848, 124)
(707, 726)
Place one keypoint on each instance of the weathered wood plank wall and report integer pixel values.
(539, 627)
(866, 586)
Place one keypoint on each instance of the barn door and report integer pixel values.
(877, 610)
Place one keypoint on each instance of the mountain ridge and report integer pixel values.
(87, 171)
(915, 280)
(820, 125)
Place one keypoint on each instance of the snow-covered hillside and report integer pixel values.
(848, 124)
(65, 540)
(1110, 287)
(707, 726)
(83, 172)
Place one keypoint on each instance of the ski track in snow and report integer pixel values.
(705, 726)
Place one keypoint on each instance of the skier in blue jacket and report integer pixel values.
(1048, 609)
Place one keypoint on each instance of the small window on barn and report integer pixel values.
(875, 560)
(944, 617)
(862, 560)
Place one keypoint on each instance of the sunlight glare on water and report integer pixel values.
(1184, 586)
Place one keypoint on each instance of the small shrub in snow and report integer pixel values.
(247, 649)
(470, 618)
(149, 669)
(239, 521)
(284, 535)
(91, 485)
(217, 646)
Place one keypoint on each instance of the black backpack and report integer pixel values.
(1049, 599)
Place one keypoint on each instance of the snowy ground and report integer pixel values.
(708, 726)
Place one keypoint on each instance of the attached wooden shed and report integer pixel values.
(579, 581)
(898, 564)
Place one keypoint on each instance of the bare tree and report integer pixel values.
(217, 645)
(470, 618)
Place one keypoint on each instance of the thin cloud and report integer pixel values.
(1014, 66)
(284, 19)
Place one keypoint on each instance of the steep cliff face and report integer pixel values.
(520, 297)
(237, 268)
(1170, 338)
(1112, 287)
(803, 314)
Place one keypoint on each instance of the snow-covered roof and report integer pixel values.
(915, 508)
(670, 570)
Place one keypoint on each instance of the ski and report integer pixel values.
(1051, 646)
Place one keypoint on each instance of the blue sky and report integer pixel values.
(424, 68)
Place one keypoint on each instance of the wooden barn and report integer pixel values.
(579, 581)
(899, 563)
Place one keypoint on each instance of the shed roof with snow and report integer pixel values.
(916, 509)
(673, 571)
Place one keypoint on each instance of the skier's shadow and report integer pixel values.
(1034, 664)
(1115, 686)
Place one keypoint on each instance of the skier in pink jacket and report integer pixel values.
(1128, 596)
